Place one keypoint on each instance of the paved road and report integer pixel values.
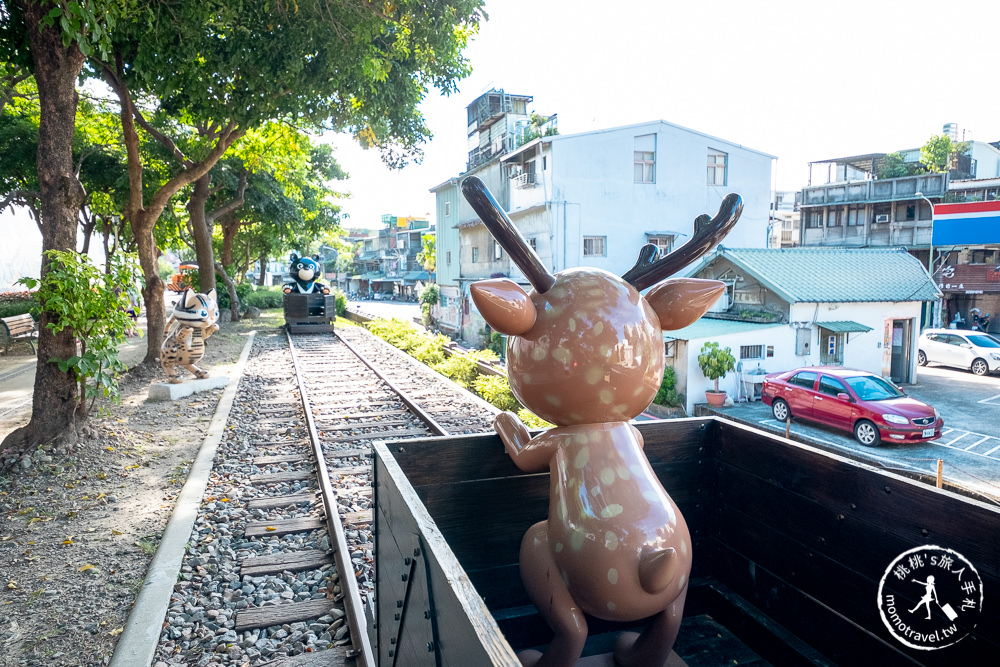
(970, 441)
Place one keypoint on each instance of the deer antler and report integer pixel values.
(506, 234)
(707, 232)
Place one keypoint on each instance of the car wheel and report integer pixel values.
(980, 367)
(780, 410)
(867, 433)
(921, 358)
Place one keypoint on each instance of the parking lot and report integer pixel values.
(970, 441)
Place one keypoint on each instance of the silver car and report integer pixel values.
(975, 350)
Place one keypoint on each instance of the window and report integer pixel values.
(447, 208)
(644, 158)
(833, 217)
(911, 212)
(856, 216)
(814, 218)
(595, 246)
(751, 351)
(831, 386)
(497, 250)
(668, 349)
(662, 243)
(533, 242)
(804, 379)
(983, 256)
(447, 257)
(545, 162)
(475, 254)
(716, 167)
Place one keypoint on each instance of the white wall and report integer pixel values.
(589, 191)
(863, 351)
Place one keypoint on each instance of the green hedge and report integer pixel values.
(18, 303)
(460, 368)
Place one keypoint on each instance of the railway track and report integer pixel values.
(279, 568)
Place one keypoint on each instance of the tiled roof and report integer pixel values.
(708, 327)
(824, 275)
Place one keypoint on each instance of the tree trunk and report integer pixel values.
(201, 231)
(235, 304)
(263, 267)
(56, 69)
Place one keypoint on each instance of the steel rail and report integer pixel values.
(360, 641)
(413, 406)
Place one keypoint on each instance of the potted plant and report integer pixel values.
(715, 362)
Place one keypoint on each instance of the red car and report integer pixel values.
(859, 401)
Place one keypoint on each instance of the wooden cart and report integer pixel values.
(310, 313)
(790, 545)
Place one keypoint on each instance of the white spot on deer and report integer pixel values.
(581, 439)
(611, 511)
(538, 353)
(606, 396)
(571, 324)
(559, 547)
(613, 576)
(607, 476)
(553, 400)
(604, 351)
(623, 472)
(610, 540)
(582, 457)
(593, 375)
(597, 328)
(562, 355)
(611, 606)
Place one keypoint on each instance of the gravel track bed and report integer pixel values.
(267, 420)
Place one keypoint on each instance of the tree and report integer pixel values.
(227, 68)
(939, 152)
(894, 166)
(428, 256)
(52, 41)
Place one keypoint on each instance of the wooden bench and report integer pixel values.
(17, 328)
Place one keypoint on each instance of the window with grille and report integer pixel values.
(447, 208)
(595, 246)
(662, 243)
(475, 254)
(533, 243)
(447, 257)
(716, 167)
(751, 351)
(644, 159)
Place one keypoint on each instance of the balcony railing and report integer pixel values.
(526, 180)
(889, 189)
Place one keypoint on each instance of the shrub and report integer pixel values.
(19, 303)
(265, 298)
(531, 420)
(668, 394)
(495, 390)
(431, 294)
(340, 303)
(243, 291)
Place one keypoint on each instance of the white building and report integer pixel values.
(594, 199)
(791, 307)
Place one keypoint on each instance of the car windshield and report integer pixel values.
(873, 388)
(984, 341)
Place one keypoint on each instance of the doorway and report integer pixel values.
(901, 341)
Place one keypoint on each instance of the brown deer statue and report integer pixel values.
(585, 352)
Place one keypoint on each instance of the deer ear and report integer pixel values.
(679, 302)
(504, 305)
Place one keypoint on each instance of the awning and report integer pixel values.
(844, 326)
(416, 275)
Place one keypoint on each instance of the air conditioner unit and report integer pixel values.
(882, 218)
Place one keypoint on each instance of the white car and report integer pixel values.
(976, 350)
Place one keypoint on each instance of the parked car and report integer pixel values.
(867, 404)
(977, 351)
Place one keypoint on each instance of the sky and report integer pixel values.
(801, 80)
